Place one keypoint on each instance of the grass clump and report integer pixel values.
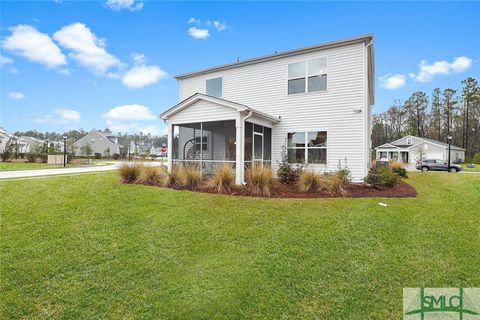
(309, 181)
(259, 180)
(191, 176)
(153, 175)
(129, 173)
(172, 179)
(223, 179)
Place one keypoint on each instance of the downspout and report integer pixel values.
(242, 147)
(368, 111)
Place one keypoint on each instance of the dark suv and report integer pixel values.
(437, 165)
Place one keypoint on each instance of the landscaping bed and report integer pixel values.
(261, 183)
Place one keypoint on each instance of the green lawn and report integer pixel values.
(87, 247)
(4, 166)
(476, 169)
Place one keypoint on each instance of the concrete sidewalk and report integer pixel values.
(59, 171)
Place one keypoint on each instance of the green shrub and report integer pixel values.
(287, 172)
(402, 172)
(130, 172)
(153, 175)
(191, 176)
(98, 155)
(308, 181)
(116, 156)
(259, 180)
(223, 179)
(32, 157)
(382, 177)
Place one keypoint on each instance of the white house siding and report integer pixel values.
(263, 86)
(204, 111)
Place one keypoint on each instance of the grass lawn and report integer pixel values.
(87, 247)
(476, 169)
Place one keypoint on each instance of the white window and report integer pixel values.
(409, 140)
(307, 147)
(214, 87)
(307, 76)
(92, 140)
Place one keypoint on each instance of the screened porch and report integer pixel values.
(210, 144)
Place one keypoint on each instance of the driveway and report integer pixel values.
(61, 171)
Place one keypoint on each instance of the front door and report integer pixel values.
(257, 148)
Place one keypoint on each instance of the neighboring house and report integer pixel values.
(5, 139)
(410, 149)
(315, 100)
(145, 149)
(101, 141)
(30, 144)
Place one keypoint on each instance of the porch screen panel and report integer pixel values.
(185, 141)
(220, 138)
(258, 144)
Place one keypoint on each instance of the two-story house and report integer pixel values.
(314, 102)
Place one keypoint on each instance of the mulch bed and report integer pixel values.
(279, 190)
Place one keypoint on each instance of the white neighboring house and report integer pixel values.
(101, 141)
(29, 144)
(6, 138)
(315, 100)
(411, 149)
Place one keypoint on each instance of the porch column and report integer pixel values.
(169, 146)
(238, 151)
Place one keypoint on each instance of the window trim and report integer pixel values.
(306, 76)
(212, 78)
(306, 147)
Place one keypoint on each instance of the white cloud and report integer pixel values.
(5, 60)
(15, 95)
(198, 33)
(428, 71)
(141, 75)
(194, 20)
(153, 130)
(129, 112)
(392, 81)
(219, 25)
(86, 48)
(131, 5)
(28, 42)
(60, 116)
(127, 118)
(201, 31)
(14, 71)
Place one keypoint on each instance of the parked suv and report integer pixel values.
(437, 165)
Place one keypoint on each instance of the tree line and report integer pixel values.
(446, 112)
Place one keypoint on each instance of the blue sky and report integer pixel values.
(88, 64)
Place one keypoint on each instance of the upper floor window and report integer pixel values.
(214, 87)
(307, 76)
(409, 140)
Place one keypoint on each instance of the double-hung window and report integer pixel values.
(214, 87)
(307, 147)
(307, 76)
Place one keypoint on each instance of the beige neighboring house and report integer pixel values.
(101, 141)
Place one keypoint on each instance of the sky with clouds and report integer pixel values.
(96, 64)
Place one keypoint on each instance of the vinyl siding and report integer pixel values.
(204, 111)
(99, 146)
(263, 86)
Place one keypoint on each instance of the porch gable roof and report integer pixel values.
(219, 101)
